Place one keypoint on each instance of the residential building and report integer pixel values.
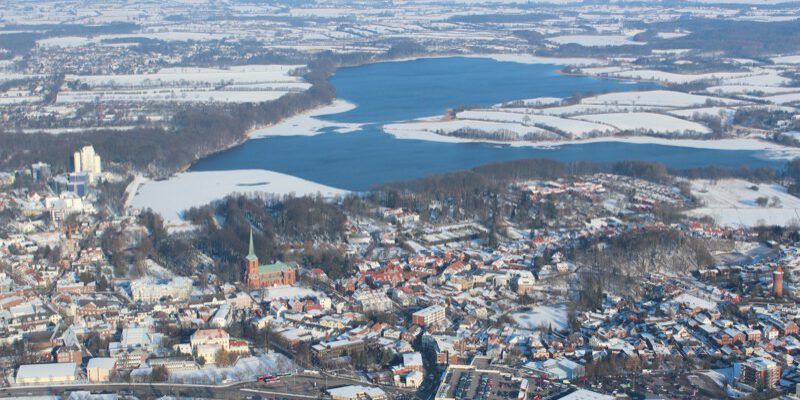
(432, 315)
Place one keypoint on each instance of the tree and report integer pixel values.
(224, 358)
(201, 361)
(159, 374)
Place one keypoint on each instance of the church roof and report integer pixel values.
(251, 254)
(276, 267)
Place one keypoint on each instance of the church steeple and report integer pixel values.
(251, 255)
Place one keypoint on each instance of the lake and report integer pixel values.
(401, 91)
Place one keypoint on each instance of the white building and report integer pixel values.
(31, 374)
(86, 160)
(373, 300)
(151, 290)
(222, 318)
(357, 392)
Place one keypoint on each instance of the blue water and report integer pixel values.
(400, 91)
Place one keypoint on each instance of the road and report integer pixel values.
(293, 388)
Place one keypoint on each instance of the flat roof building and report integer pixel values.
(357, 392)
(429, 316)
(31, 374)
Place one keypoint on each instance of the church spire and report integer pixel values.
(251, 255)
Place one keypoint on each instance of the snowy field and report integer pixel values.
(770, 150)
(643, 122)
(594, 40)
(543, 316)
(170, 95)
(732, 202)
(247, 74)
(658, 98)
(172, 196)
(577, 128)
(238, 84)
(538, 123)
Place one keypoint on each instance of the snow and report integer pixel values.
(172, 196)
(770, 150)
(543, 316)
(760, 78)
(659, 98)
(417, 130)
(289, 293)
(732, 202)
(594, 40)
(787, 60)
(238, 84)
(670, 77)
(531, 59)
(576, 109)
(245, 369)
(788, 98)
(535, 102)
(574, 127)
(726, 114)
(75, 41)
(643, 121)
(309, 123)
(747, 89)
(236, 74)
(694, 301)
(671, 35)
(170, 95)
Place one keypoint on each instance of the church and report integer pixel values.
(261, 276)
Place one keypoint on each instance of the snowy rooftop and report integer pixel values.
(39, 371)
(101, 362)
(582, 394)
(355, 391)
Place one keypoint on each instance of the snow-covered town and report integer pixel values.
(594, 278)
(433, 200)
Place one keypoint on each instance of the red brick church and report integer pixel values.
(276, 274)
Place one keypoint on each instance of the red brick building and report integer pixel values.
(276, 274)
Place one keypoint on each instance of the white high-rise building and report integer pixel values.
(86, 160)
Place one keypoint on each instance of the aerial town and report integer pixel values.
(454, 311)
(336, 199)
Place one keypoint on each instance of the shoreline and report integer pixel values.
(778, 152)
(500, 57)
